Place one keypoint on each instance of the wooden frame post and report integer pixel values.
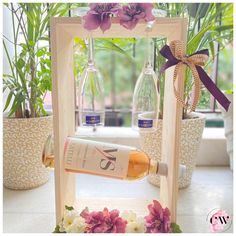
(63, 31)
(171, 130)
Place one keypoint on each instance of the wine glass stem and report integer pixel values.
(91, 54)
(91, 63)
(149, 60)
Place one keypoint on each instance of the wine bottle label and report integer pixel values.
(145, 123)
(85, 156)
(92, 119)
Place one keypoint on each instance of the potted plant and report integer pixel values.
(26, 124)
(204, 30)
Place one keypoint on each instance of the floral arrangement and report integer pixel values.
(157, 221)
(100, 15)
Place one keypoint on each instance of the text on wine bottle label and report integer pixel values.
(96, 158)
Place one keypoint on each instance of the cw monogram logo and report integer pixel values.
(219, 220)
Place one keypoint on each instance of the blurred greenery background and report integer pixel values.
(121, 60)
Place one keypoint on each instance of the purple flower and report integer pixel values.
(130, 14)
(99, 15)
(158, 220)
(104, 221)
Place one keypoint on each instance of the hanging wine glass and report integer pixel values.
(91, 104)
(146, 96)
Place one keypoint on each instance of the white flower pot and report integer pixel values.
(23, 141)
(191, 136)
(228, 124)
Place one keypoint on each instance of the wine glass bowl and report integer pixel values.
(146, 97)
(91, 102)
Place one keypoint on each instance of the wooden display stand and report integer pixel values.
(63, 32)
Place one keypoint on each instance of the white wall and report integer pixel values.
(8, 32)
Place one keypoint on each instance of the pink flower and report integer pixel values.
(158, 220)
(99, 15)
(130, 14)
(104, 221)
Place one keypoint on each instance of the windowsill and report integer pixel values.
(126, 132)
(108, 132)
(212, 150)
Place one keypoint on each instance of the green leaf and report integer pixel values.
(20, 63)
(107, 44)
(221, 28)
(212, 49)
(17, 103)
(8, 100)
(40, 52)
(229, 91)
(194, 42)
(7, 76)
(31, 43)
(57, 230)
(80, 42)
(69, 208)
(175, 228)
(44, 38)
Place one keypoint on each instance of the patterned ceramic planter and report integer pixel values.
(23, 141)
(191, 135)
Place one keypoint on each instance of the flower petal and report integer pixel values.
(120, 225)
(105, 24)
(92, 21)
(149, 16)
(129, 24)
(140, 16)
(93, 5)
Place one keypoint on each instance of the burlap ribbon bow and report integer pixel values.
(175, 55)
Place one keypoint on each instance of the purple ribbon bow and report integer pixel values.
(206, 80)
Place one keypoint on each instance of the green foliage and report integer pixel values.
(69, 208)
(229, 91)
(208, 23)
(30, 76)
(175, 228)
(57, 230)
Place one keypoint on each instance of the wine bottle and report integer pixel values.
(146, 96)
(106, 159)
(91, 100)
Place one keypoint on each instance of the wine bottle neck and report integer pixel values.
(90, 51)
(161, 168)
(153, 167)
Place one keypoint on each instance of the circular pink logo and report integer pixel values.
(219, 220)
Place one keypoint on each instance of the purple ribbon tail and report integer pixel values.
(209, 84)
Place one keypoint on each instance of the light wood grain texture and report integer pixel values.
(172, 121)
(63, 112)
(63, 31)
